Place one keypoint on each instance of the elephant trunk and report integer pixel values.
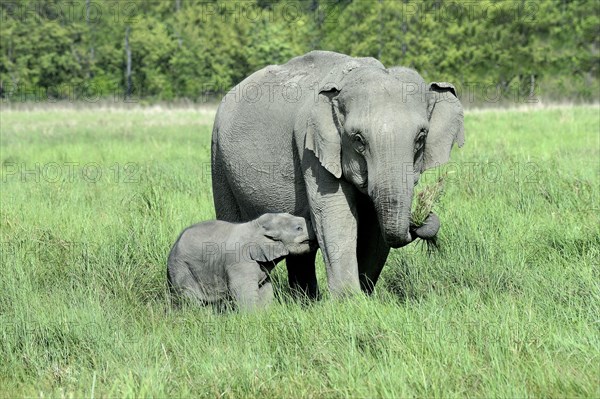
(392, 198)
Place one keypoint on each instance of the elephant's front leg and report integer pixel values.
(337, 235)
(243, 284)
(333, 211)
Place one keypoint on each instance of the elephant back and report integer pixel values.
(319, 67)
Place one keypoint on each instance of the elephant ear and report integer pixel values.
(446, 125)
(322, 130)
(324, 124)
(267, 246)
(267, 251)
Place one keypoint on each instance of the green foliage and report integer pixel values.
(189, 48)
(508, 307)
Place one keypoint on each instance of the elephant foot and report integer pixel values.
(308, 292)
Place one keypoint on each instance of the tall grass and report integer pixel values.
(91, 201)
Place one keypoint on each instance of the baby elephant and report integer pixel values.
(214, 261)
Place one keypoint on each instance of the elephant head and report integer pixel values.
(380, 129)
(281, 234)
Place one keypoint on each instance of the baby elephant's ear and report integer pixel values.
(267, 251)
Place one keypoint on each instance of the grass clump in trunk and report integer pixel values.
(426, 198)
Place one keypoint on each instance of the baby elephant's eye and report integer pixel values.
(299, 228)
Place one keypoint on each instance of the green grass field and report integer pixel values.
(91, 201)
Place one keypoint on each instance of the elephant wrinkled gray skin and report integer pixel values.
(213, 261)
(341, 141)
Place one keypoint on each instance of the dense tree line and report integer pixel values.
(193, 49)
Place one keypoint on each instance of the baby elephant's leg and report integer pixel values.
(183, 286)
(265, 295)
(243, 284)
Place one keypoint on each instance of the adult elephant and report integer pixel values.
(341, 140)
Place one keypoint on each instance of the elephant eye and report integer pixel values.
(298, 228)
(420, 140)
(419, 146)
(359, 142)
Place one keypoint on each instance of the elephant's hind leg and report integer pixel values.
(302, 275)
(371, 251)
(226, 207)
